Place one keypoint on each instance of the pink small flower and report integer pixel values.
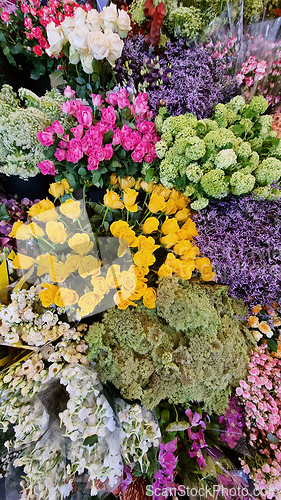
(5, 16)
(68, 92)
(46, 138)
(266, 468)
(37, 50)
(47, 167)
(57, 128)
(97, 100)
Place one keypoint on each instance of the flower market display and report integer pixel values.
(140, 250)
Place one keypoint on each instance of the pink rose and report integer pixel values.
(68, 92)
(60, 154)
(122, 102)
(144, 126)
(47, 167)
(75, 151)
(111, 98)
(69, 107)
(46, 138)
(108, 151)
(63, 144)
(117, 137)
(85, 116)
(77, 131)
(141, 103)
(108, 116)
(128, 143)
(97, 100)
(133, 109)
(28, 23)
(93, 163)
(57, 128)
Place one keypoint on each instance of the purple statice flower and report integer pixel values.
(185, 79)
(242, 238)
(233, 422)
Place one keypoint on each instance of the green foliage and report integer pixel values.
(192, 347)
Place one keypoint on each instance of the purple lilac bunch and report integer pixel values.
(233, 422)
(242, 238)
(164, 477)
(184, 79)
(197, 438)
(11, 211)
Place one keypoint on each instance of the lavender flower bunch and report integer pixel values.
(242, 238)
(185, 79)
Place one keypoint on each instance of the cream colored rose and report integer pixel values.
(78, 38)
(115, 45)
(74, 56)
(68, 26)
(87, 63)
(123, 24)
(93, 21)
(56, 39)
(109, 17)
(98, 45)
(80, 17)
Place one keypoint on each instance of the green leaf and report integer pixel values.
(11, 60)
(80, 80)
(106, 225)
(16, 49)
(165, 415)
(121, 153)
(35, 74)
(91, 440)
(149, 174)
(49, 153)
(95, 177)
(6, 50)
(82, 171)
(2, 37)
(71, 179)
(4, 215)
(272, 344)
(107, 137)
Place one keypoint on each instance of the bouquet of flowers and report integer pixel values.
(116, 135)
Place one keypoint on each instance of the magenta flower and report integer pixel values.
(47, 167)
(46, 138)
(57, 128)
(195, 419)
(68, 92)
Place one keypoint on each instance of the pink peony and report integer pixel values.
(46, 138)
(47, 167)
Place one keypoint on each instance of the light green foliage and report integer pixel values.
(237, 139)
(199, 204)
(168, 138)
(198, 350)
(20, 149)
(242, 183)
(225, 158)
(184, 22)
(266, 193)
(161, 147)
(214, 183)
(158, 123)
(269, 171)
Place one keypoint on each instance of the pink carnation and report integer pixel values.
(28, 23)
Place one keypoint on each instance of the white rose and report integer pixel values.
(109, 17)
(80, 17)
(98, 45)
(74, 56)
(56, 39)
(87, 63)
(93, 21)
(123, 24)
(115, 45)
(68, 26)
(78, 38)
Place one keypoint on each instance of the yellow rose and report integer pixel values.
(71, 209)
(173, 262)
(80, 243)
(175, 194)
(72, 262)
(182, 215)
(186, 269)
(191, 254)
(48, 294)
(114, 276)
(190, 229)
(45, 263)
(89, 266)
(161, 191)
(23, 261)
(138, 184)
(130, 237)
(113, 179)
(66, 186)
(127, 182)
(169, 240)
(149, 298)
(66, 297)
(128, 284)
(141, 272)
(117, 227)
(170, 226)
(156, 204)
(144, 258)
(44, 211)
(112, 200)
(182, 247)
(147, 186)
(204, 266)
(130, 196)
(171, 207)
(182, 234)
(165, 271)
(182, 201)
(139, 291)
(58, 273)
(56, 189)
(100, 285)
(36, 231)
(121, 303)
(88, 302)
(145, 243)
(151, 224)
(56, 232)
(20, 231)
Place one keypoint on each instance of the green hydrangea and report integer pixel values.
(199, 204)
(266, 125)
(269, 171)
(158, 122)
(266, 193)
(168, 138)
(244, 151)
(225, 159)
(193, 172)
(242, 183)
(204, 126)
(195, 149)
(219, 139)
(224, 116)
(184, 22)
(189, 190)
(258, 105)
(236, 104)
(214, 184)
(247, 124)
(168, 171)
(175, 124)
(161, 147)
